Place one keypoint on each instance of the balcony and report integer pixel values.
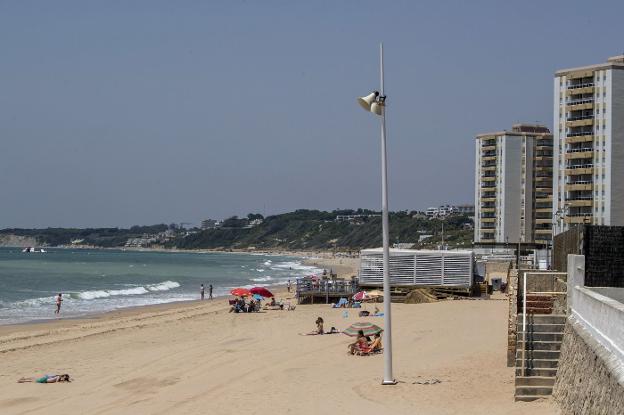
(580, 170)
(580, 104)
(488, 158)
(578, 186)
(490, 147)
(580, 139)
(543, 197)
(578, 219)
(488, 220)
(581, 89)
(580, 123)
(489, 168)
(580, 202)
(543, 167)
(543, 209)
(585, 154)
(488, 199)
(488, 210)
(544, 221)
(488, 178)
(543, 231)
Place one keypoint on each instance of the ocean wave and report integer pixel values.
(164, 286)
(260, 269)
(262, 279)
(294, 266)
(95, 294)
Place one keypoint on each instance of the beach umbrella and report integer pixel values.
(375, 293)
(240, 292)
(368, 328)
(261, 291)
(359, 296)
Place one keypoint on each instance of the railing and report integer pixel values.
(579, 150)
(582, 117)
(580, 134)
(580, 101)
(578, 86)
(309, 286)
(580, 166)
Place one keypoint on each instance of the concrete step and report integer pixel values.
(533, 390)
(529, 398)
(542, 328)
(542, 319)
(538, 354)
(535, 381)
(536, 297)
(539, 345)
(540, 336)
(539, 310)
(544, 371)
(539, 363)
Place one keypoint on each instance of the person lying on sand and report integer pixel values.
(47, 379)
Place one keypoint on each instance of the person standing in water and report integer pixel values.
(59, 300)
(210, 292)
(201, 291)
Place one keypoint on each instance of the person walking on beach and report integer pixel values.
(210, 292)
(59, 300)
(289, 285)
(201, 291)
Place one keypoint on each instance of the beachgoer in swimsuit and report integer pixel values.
(47, 379)
(59, 300)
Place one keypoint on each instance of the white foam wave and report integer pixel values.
(294, 266)
(260, 269)
(163, 286)
(262, 279)
(95, 294)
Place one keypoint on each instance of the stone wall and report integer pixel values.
(512, 295)
(586, 384)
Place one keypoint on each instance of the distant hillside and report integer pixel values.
(299, 230)
(312, 229)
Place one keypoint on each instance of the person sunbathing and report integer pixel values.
(376, 343)
(46, 379)
(359, 343)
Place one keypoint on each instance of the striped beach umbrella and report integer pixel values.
(362, 295)
(368, 328)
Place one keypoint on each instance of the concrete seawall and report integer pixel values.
(586, 382)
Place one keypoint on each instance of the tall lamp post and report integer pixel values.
(376, 103)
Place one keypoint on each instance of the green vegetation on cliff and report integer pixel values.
(298, 230)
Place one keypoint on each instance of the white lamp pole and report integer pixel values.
(375, 103)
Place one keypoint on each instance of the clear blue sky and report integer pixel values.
(116, 113)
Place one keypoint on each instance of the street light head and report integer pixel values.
(367, 101)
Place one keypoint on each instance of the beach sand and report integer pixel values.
(196, 358)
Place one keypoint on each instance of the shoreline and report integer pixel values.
(344, 267)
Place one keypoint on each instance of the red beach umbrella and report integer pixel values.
(261, 291)
(240, 292)
(362, 295)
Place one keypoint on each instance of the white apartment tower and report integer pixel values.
(588, 185)
(513, 185)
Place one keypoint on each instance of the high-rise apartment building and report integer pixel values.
(589, 145)
(513, 185)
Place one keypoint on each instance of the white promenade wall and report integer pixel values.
(597, 316)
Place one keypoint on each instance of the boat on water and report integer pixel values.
(30, 249)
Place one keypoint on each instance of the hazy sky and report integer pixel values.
(115, 113)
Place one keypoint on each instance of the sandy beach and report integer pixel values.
(195, 358)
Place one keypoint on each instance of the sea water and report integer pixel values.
(99, 280)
